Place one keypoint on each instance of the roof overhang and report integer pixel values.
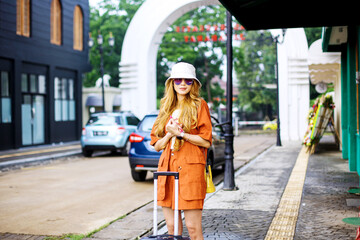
(271, 14)
(93, 100)
(333, 38)
(324, 67)
(117, 101)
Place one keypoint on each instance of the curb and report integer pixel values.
(40, 159)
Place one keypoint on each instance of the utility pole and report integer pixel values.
(102, 74)
(278, 138)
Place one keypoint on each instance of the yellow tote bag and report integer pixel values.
(210, 188)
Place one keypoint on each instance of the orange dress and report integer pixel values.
(189, 161)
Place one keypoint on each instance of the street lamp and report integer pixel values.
(276, 41)
(229, 178)
(100, 41)
(229, 181)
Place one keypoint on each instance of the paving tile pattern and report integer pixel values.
(236, 224)
(325, 196)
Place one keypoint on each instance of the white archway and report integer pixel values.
(140, 47)
(139, 52)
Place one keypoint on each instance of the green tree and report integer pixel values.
(254, 63)
(312, 34)
(105, 18)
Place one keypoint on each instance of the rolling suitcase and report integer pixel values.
(155, 235)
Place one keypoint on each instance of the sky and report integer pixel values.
(93, 2)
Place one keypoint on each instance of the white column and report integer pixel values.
(293, 84)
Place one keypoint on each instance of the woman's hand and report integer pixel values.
(160, 144)
(173, 127)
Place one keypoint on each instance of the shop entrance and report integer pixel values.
(33, 109)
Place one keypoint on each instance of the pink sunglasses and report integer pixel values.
(178, 81)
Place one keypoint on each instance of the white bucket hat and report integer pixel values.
(183, 70)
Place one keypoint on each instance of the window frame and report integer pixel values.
(23, 17)
(64, 99)
(5, 96)
(37, 89)
(78, 29)
(131, 119)
(56, 22)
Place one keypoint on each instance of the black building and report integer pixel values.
(43, 55)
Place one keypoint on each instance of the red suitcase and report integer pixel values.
(155, 235)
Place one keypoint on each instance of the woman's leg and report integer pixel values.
(169, 218)
(193, 223)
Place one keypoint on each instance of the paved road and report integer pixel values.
(82, 194)
(73, 197)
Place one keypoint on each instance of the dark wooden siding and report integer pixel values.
(30, 48)
(7, 19)
(36, 50)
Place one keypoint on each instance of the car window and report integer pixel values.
(118, 120)
(132, 120)
(147, 123)
(102, 120)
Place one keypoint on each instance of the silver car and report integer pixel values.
(108, 131)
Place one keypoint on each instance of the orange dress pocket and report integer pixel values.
(161, 188)
(192, 181)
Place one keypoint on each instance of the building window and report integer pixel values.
(5, 99)
(23, 17)
(64, 99)
(78, 28)
(55, 18)
(33, 83)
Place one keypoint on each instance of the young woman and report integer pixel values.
(183, 130)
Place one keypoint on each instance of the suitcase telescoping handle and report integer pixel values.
(176, 211)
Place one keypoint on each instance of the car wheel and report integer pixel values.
(138, 176)
(87, 153)
(126, 148)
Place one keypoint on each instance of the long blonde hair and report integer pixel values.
(189, 110)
